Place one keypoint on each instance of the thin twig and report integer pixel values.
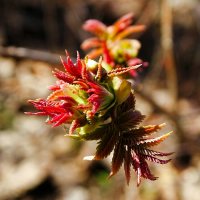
(147, 17)
(166, 24)
(170, 115)
(21, 52)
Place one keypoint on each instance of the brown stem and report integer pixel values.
(21, 52)
(167, 48)
(170, 115)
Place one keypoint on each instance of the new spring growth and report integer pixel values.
(96, 99)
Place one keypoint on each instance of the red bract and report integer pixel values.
(110, 42)
(97, 95)
(121, 24)
(63, 111)
(77, 96)
(95, 26)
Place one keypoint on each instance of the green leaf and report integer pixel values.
(122, 89)
(74, 91)
(94, 134)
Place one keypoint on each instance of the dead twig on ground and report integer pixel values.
(26, 53)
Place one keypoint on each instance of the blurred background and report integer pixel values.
(36, 161)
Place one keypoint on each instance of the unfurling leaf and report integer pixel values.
(118, 158)
(122, 89)
(156, 160)
(88, 132)
(130, 119)
(127, 165)
(107, 143)
(154, 141)
(127, 105)
(94, 100)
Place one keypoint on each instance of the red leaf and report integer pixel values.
(127, 165)
(154, 141)
(118, 157)
(156, 160)
(106, 144)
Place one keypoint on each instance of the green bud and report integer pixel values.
(122, 89)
